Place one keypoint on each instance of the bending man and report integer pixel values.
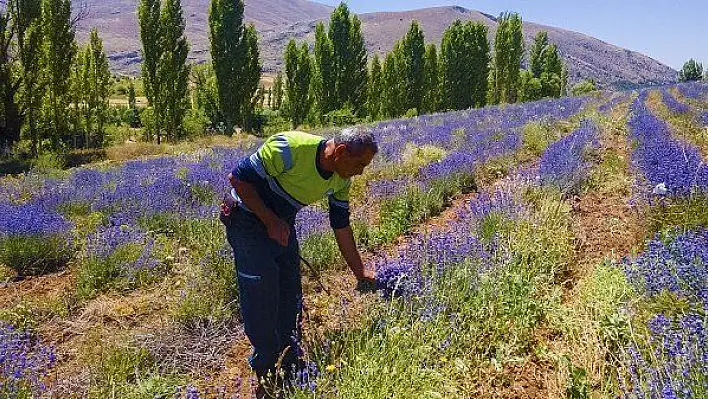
(288, 172)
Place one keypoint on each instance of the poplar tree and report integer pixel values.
(278, 91)
(392, 86)
(150, 37)
(325, 84)
(234, 51)
(298, 71)
(375, 89)
(57, 59)
(464, 58)
(172, 71)
(508, 52)
(96, 89)
(251, 74)
(536, 53)
(350, 59)
(20, 83)
(431, 81)
(413, 67)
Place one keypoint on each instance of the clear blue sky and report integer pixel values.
(670, 31)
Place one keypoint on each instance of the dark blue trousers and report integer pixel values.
(270, 291)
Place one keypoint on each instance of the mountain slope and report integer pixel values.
(279, 20)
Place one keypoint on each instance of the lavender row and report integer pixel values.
(679, 266)
(674, 106)
(694, 90)
(675, 364)
(670, 167)
(565, 163)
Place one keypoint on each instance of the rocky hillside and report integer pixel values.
(279, 20)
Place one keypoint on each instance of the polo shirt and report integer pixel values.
(287, 176)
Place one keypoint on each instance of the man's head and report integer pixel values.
(354, 150)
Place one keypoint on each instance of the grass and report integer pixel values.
(479, 319)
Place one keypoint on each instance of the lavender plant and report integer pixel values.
(565, 163)
(668, 166)
(671, 363)
(24, 364)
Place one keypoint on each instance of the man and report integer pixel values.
(288, 172)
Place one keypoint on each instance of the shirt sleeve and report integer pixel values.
(339, 208)
(272, 159)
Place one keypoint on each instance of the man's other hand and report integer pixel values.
(279, 231)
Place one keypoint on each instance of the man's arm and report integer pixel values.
(278, 230)
(347, 246)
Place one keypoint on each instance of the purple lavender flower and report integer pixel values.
(662, 159)
(564, 164)
(672, 103)
(24, 363)
(672, 364)
(679, 266)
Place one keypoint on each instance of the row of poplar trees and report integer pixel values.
(416, 78)
(224, 90)
(53, 93)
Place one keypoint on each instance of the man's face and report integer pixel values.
(347, 165)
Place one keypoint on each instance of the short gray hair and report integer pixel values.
(357, 140)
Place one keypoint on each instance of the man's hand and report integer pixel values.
(278, 230)
(367, 283)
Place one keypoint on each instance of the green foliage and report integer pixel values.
(278, 91)
(508, 52)
(165, 72)
(536, 54)
(464, 65)
(325, 84)
(392, 89)
(172, 71)
(321, 251)
(92, 87)
(691, 71)
(375, 90)
(210, 294)
(530, 87)
(117, 271)
(127, 372)
(195, 122)
(35, 255)
(546, 76)
(205, 94)
(399, 214)
(228, 49)
(537, 136)
(412, 69)
(298, 71)
(584, 87)
(684, 214)
(58, 55)
(431, 81)
(350, 59)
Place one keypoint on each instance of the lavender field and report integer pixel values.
(554, 249)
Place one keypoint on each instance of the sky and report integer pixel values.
(670, 31)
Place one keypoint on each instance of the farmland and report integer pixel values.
(555, 248)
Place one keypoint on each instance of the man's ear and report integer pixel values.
(340, 150)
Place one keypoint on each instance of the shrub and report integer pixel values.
(210, 294)
(34, 255)
(118, 258)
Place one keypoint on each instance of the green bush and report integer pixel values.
(116, 271)
(210, 294)
(35, 255)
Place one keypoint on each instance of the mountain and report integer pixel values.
(279, 20)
